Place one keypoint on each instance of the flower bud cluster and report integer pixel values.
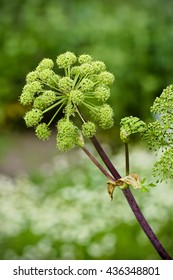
(106, 116)
(42, 131)
(88, 129)
(32, 76)
(45, 100)
(46, 63)
(129, 126)
(163, 168)
(85, 83)
(65, 84)
(106, 78)
(76, 96)
(164, 103)
(66, 59)
(29, 91)
(84, 58)
(98, 66)
(33, 117)
(159, 134)
(67, 136)
(102, 93)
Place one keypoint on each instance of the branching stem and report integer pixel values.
(132, 203)
(98, 164)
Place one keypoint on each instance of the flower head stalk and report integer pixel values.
(85, 83)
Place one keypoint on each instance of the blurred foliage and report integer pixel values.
(134, 38)
(52, 213)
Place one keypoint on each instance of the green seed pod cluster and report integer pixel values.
(83, 82)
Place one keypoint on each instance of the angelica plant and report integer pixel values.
(75, 84)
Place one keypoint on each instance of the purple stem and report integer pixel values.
(132, 202)
(98, 164)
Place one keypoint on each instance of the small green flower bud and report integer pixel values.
(86, 85)
(45, 75)
(33, 117)
(106, 116)
(34, 87)
(76, 96)
(69, 109)
(102, 93)
(67, 136)
(32, 77)
(88, 129)
(86, 69)
(106, 78)
(49, 77)
(50, 96)
(42, 131)
(75, 70)
(45, 100)
(26, 98)
(28, 92)
(66, 59)
(84, 58)
(98, 66)
(65, 84)
(46, 63)
(39, 103)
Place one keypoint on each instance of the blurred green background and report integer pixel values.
(50, 206)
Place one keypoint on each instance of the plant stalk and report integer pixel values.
(132, 203)
(93, 159)
(127, 162)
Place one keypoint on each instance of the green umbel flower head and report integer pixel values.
(82, 83)
(159, 134)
